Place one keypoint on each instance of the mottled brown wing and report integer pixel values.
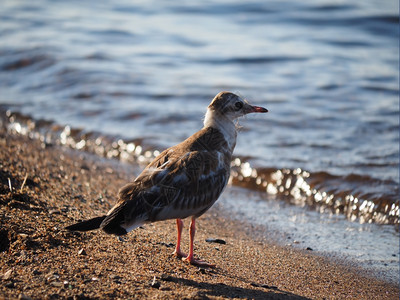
(178, 185)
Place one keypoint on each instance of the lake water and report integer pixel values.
(128, 78)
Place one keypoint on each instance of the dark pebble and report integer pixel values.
(81, 198)
(36, 272)
(169, 245)
(116, 279)
(218, 241)
(309, 249)
(9, 285)
(155, 284)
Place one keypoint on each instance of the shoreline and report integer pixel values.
(54, 186)
(274, 221)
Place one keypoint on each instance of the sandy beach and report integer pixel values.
(46, 187)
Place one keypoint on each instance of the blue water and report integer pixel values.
(328, 71)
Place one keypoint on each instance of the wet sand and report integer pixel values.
(44, 188)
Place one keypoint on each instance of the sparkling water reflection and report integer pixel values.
(296, 186)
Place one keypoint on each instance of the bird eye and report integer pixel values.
(238, 105)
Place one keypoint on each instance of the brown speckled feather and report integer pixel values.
(184, 180)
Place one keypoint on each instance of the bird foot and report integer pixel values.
(179, 254)
(198, 262)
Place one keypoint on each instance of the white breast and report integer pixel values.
(223, 124)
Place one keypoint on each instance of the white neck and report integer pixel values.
(223, 124)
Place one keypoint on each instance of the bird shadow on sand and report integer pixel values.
(229, 291)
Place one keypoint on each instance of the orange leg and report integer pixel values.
(190, 258)
(179, 227)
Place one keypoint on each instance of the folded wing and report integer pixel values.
(177, 184)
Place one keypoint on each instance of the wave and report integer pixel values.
(251, 60)
(32, 59)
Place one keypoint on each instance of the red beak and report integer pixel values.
(258, 109)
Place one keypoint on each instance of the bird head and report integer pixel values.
(232, 106)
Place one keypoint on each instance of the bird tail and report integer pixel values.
(119, 220)
(114, 220)
(87, 225)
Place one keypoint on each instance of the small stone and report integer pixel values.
(36, 272)
(116, 278)
(52, 276)
(80, 198)
(57, 284)
(309, 249)
(22, 254)
(218, 241)
(168, 245)
(82, 252)
(7, 275)
(9, 285)
(155, 284)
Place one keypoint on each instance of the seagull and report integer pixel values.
(183, 181)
